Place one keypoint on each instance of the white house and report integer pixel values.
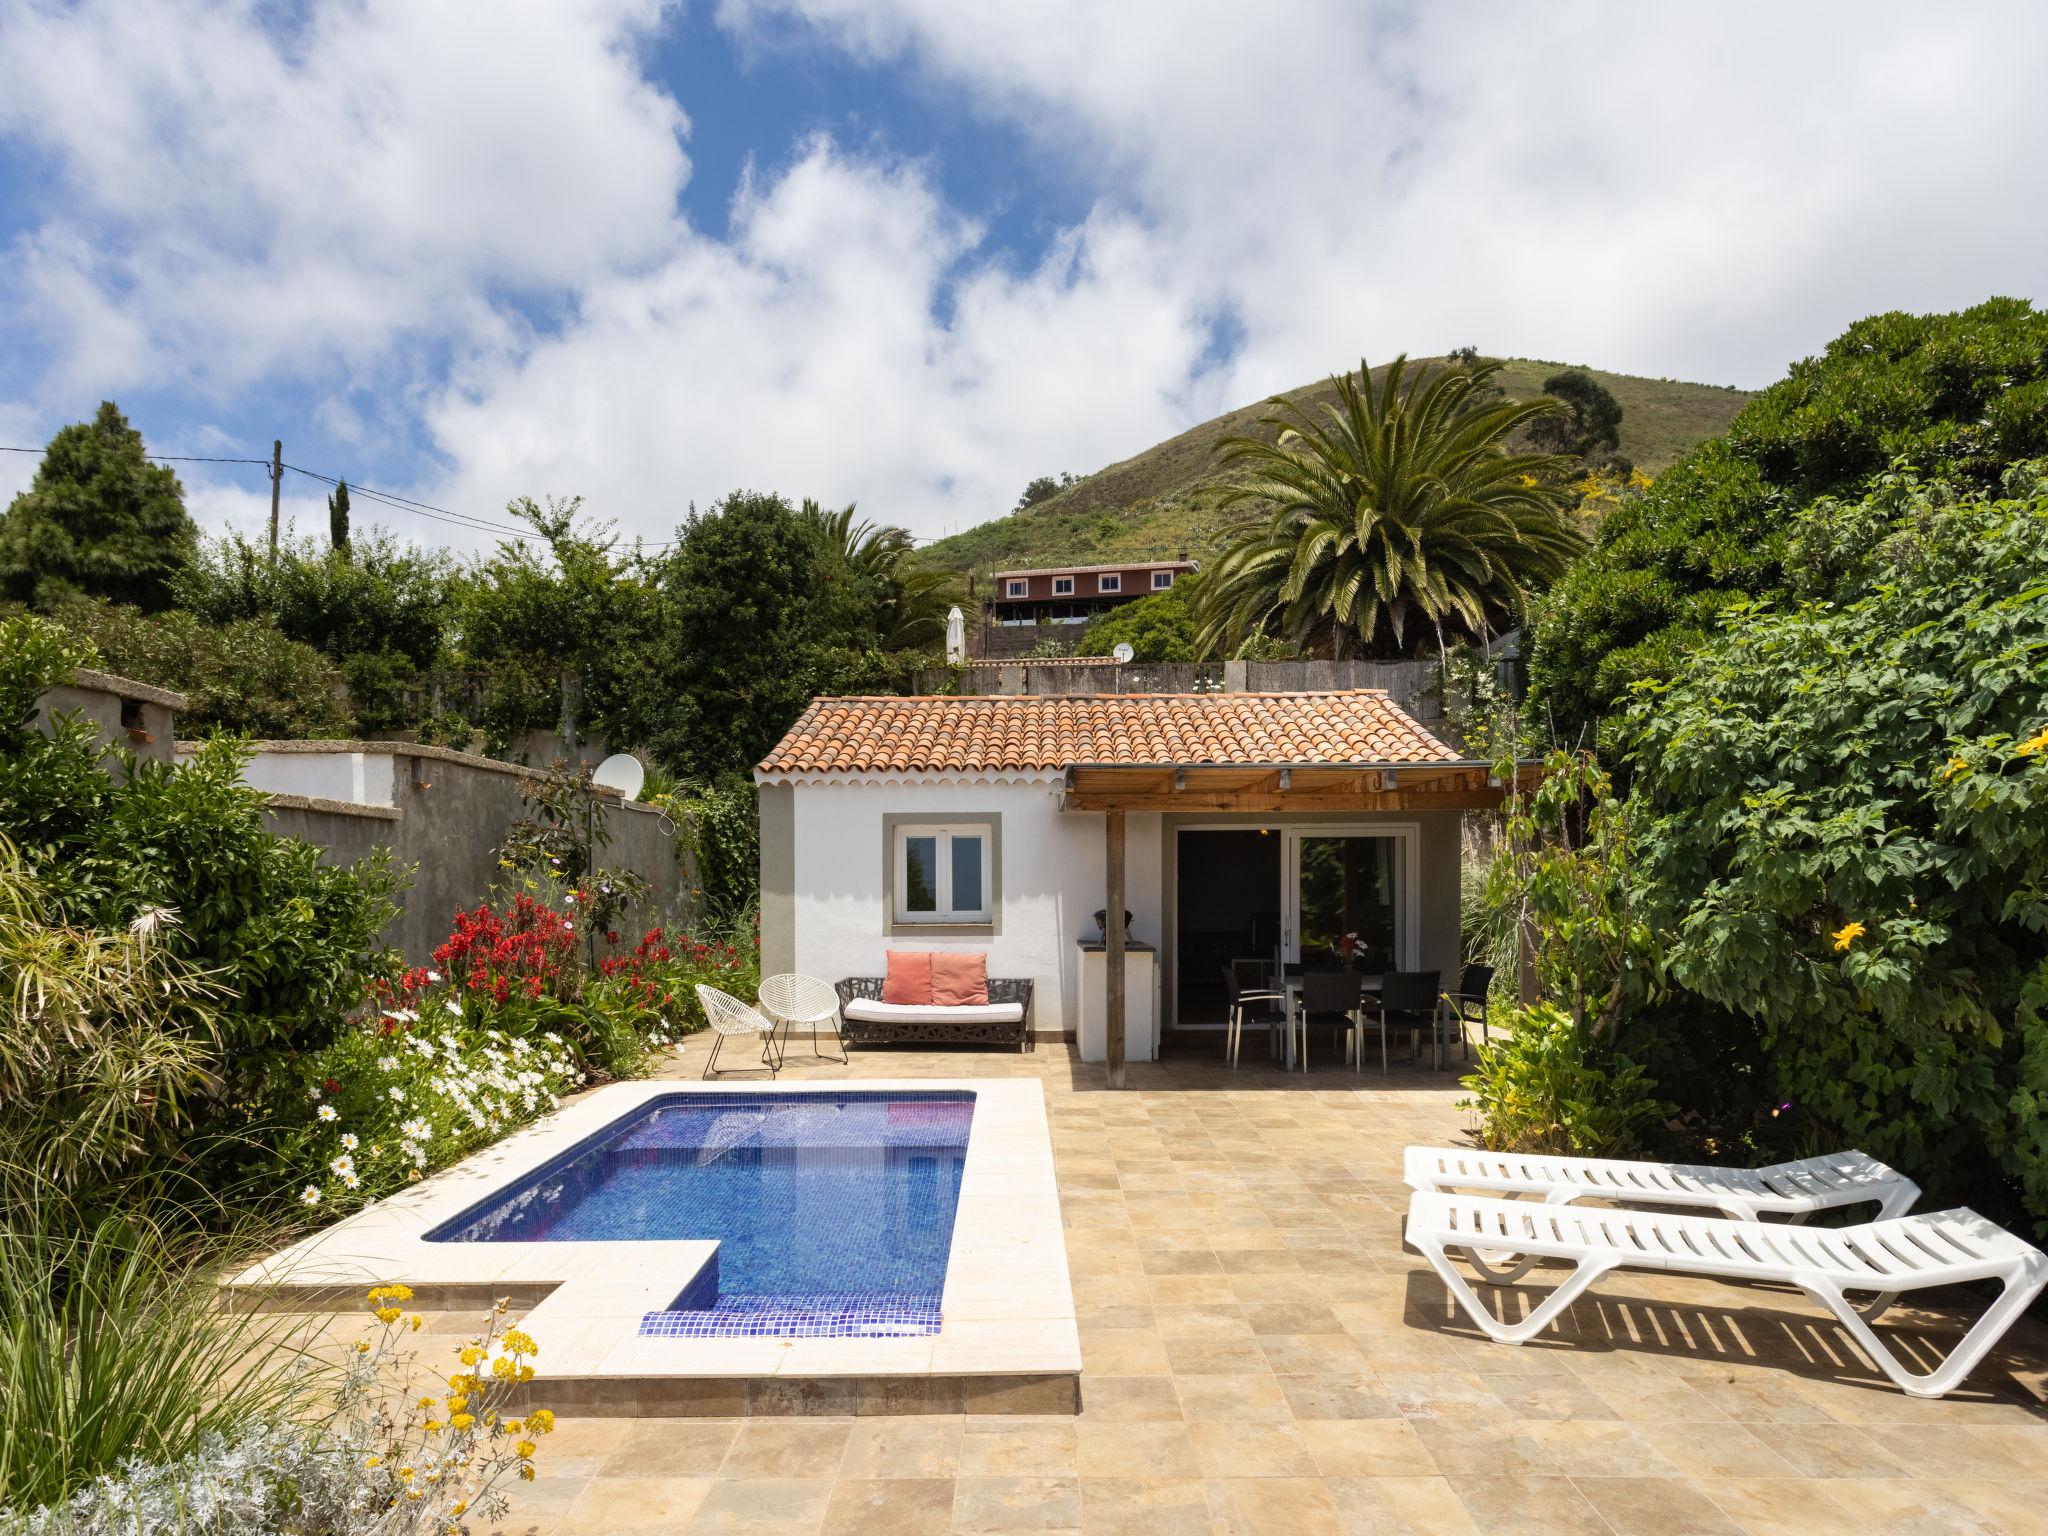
(1254, 826)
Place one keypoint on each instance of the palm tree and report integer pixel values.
(911, 599)
(1396, 503)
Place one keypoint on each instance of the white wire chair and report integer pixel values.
(794, 1000)
(728, 1016)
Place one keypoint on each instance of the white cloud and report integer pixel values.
(1702, 194)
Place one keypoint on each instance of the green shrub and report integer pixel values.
(1840, 817)
(1546, 1085)
(247, 676)
(1959, 397)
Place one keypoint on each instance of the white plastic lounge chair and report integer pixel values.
(1904, 1254)
(1793, 1190)
(793, 1000)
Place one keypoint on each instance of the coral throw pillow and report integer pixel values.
(910, 977)
(959, 979)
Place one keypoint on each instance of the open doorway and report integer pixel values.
(1228, 907)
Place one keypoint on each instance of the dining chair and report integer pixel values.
(1259, 1007)
(1329, 1000)
(1407, 1000)
(1467, 1005)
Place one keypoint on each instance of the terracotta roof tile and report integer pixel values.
(950, 735)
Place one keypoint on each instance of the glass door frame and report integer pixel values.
(1406, 837)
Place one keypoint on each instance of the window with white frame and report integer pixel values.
(1161, 580)
(1063, 586)
(1017, 588)
(1109, 583)
(943, 872)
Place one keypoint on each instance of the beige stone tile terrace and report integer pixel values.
(1261, 1355)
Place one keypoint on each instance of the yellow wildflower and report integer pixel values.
(362, 1346)
(540, 1421)
(433, 1426)
(425, 1402)
(511, 1426)
(462, 1421)
(414, 1494)
(388, 1315)
(414, 1322)
(1954, 766)
(526, 1373)
(458, 1402)
(470, 1354)
(526, 1471)
(373, 1461)
(391, 1293)
(502, 1368)
(2035, 744)
(526, 1447)
(518, 1343)
(1848, 934)
(458, 1507)
(406, 1473)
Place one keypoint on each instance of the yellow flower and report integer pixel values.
(540, 1421)
(526, 1471)
(1848, 934)
(388, 1315)
(526, 1447)
(518, 1343)
(2036, 743)
(362, 1346)
(414, 1322)
(526, 1373)
(511, 1426)
(391, 1293)
(470, 1355)
(425, 1402)
(458, 1402)
(458, 1507)
(406, 1473)
(433, 1426)
(462, 1421)
(373, 1461)
(1954, 766)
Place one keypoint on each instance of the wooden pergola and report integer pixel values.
(1263, 789)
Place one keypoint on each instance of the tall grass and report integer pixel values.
(114, 1344)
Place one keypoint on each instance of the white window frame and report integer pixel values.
(947, 910)
(1109, 583)
(1063, 586)
(1161, 580)
(1017, 588)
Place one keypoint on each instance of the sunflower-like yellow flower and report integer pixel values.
(1848, 934)
(2035, 744)
(1953, 767)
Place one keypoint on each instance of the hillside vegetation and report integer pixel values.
(1145, 507)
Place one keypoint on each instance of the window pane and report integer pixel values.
(921, 874)
(1347, 902)
(966, 873)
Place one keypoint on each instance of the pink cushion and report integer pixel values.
(959, 979)
(910, 977)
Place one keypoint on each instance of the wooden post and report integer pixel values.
(276, 484)
(1113, 945)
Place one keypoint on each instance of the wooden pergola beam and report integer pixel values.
(1267, 800)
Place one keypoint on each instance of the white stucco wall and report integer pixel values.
(1052, 881)
(360, 778)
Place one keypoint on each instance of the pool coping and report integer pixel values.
(1008, 1334)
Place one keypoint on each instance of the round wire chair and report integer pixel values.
(793, 999)
(728, 1016)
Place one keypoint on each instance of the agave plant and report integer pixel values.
(1394, 505)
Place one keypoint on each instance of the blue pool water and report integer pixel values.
(833, 1211)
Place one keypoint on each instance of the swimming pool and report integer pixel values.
(833, 1212)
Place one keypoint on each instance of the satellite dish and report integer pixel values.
(622, 772)
(1123, 651)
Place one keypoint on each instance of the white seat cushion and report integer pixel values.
(872, 1012)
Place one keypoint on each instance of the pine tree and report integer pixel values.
(98, 519)
(337, 518)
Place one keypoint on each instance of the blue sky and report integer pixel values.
(914, 253)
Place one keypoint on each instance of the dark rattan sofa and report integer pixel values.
(1005, 1020)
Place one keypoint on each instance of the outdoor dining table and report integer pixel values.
(1290, 990)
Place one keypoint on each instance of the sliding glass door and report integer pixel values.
(1349, 898)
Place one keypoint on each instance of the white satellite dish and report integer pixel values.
(1123, 651)
(622, 772)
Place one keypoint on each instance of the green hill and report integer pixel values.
(1146, 507)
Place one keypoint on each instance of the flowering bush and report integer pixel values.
(386, 1460)
(393, 1101)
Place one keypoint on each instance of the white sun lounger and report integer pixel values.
(1903, 1254)
(1794, 1190)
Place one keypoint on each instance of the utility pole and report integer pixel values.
(276, 480)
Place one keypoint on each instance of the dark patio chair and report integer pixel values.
(1254, 1007)
(1467, 1005)
(1329, 1000)
(1407, 1000)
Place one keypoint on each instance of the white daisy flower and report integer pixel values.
(453, 1007)
(348, 1141)
(351, 1180)
(327, 1112)
(395, 1095)
(433, 975)
(387, 1063)
(309, 1196)
(343, 1166)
